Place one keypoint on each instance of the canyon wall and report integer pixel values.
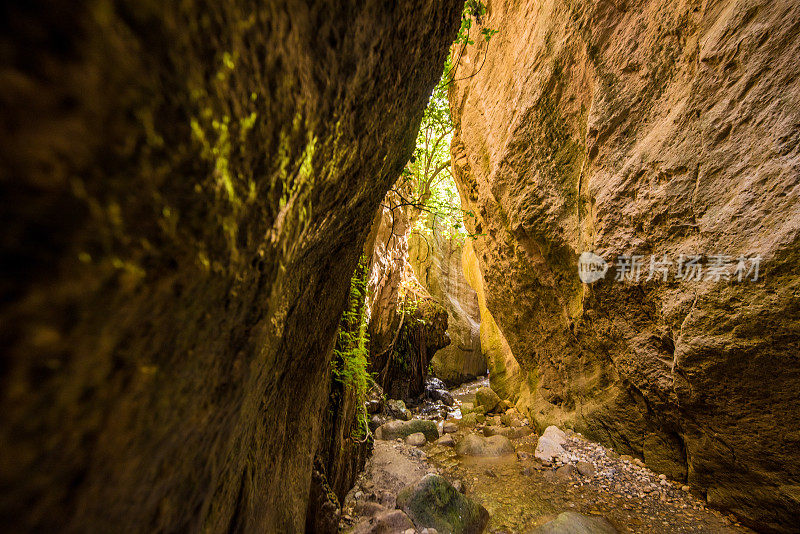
(186, 189)
(639, 127)
(407, 325)
(435, 258)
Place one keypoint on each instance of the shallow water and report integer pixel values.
(520, 493)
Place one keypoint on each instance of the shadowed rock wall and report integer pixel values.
(186, 189)
(645, 127)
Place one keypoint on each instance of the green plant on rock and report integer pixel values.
(426, 185)
(350, 355)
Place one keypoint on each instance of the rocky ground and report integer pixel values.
(526, 484)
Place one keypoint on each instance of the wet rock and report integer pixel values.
(397, 410)
(433, 383)
(403, 429)
(389, 522)
(417, 439)
(467, 407)
(443, 396)
(475, 445)
(449, 427)
(434, 503)
(575, 523)
(487, 398)
(446, 441)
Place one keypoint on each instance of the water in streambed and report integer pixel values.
(521, 493)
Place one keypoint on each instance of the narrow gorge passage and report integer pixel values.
(418, 267)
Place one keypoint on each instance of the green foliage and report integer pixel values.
(427, 184)
(349, 363)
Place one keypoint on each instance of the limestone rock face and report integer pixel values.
(436, 261)
(186, 189)
(643, 127)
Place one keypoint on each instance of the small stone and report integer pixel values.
(368, 509)
(467, 407)
(565, 472)
(446, 441)
(585, 469)
(662, 476)
(449, 427)
(686, 488)
(416, 439)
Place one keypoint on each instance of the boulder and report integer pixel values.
(403, 429)
(469, 419)
(449, 427)
(389, 522)
(548, 450)
(575, 523)
(487, 398)
(467, 407)
(493, 446)
(397, 409)
(417, 439)
(556, 434)
(549, 447)
(434, 503)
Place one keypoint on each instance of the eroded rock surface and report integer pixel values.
(643, 127)
(186, 188)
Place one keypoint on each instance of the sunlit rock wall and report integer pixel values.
(646, 127)
(436, 260)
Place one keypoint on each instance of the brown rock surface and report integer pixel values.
(436, 260)
(643, 127)
(186, 189)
